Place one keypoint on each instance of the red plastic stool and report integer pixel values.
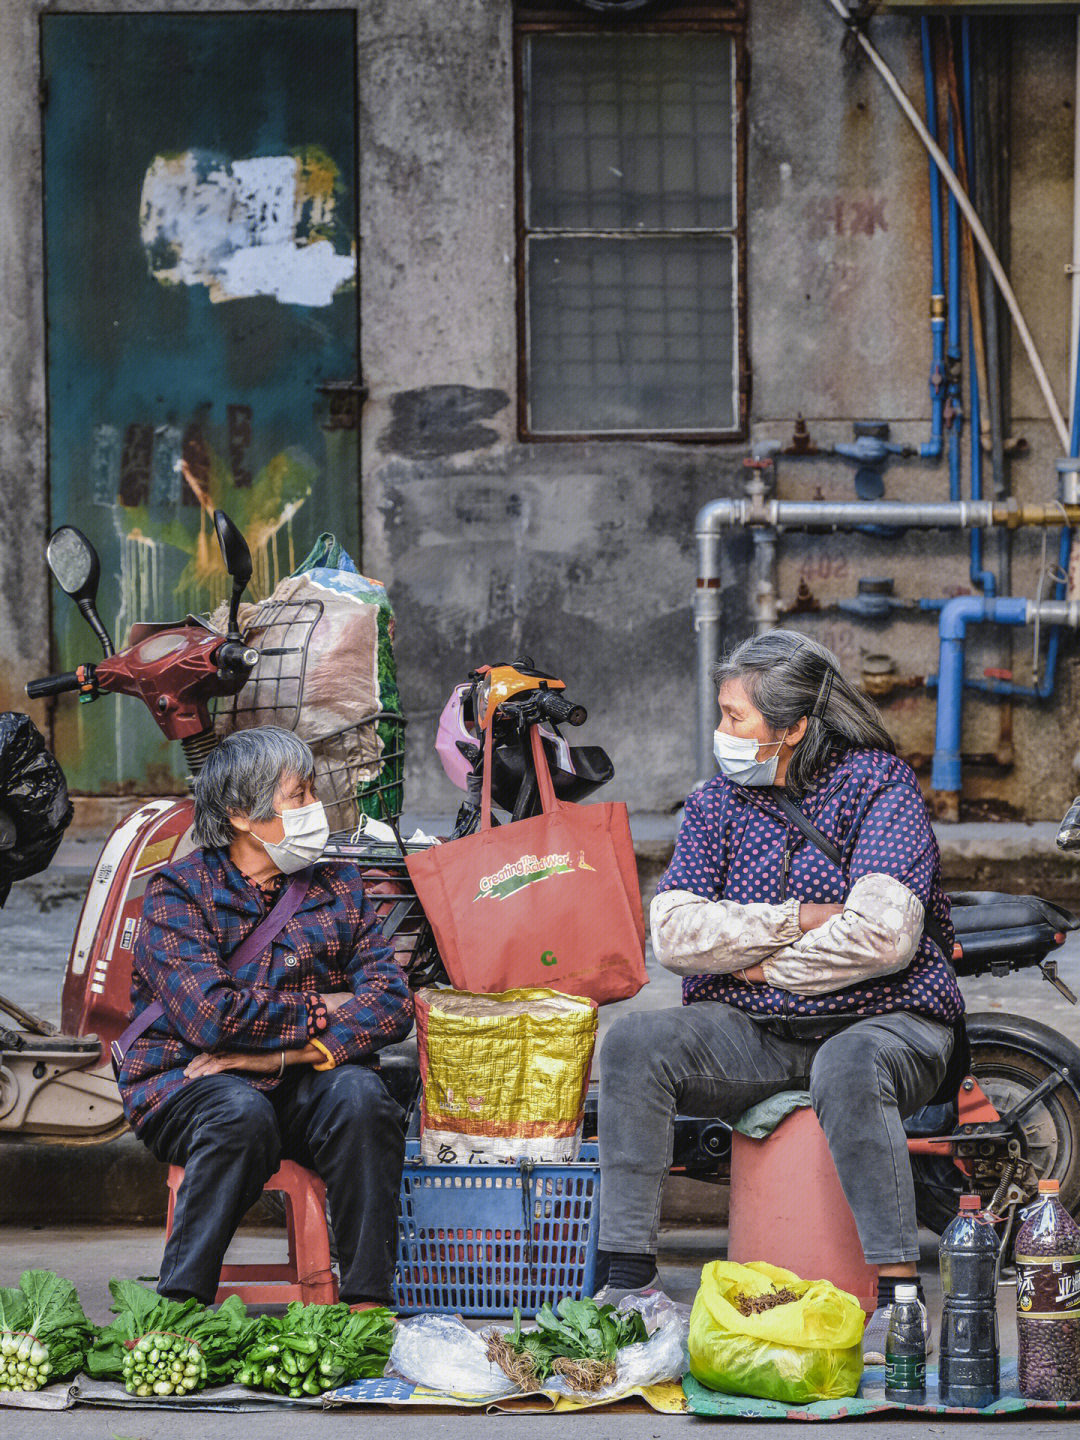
(787, 1207)
(307, 1275)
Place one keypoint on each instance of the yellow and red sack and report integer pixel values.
(504, 1075)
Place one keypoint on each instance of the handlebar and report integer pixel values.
(556, 707)
(53, 685)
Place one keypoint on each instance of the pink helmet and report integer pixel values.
(454, 731)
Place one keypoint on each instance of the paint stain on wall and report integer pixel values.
(269, 225)
(441, 420)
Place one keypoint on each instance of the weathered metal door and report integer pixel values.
(202, 321)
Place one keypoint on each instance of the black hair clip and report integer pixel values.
(822, 700)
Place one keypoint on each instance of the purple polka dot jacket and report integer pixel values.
(730, 898)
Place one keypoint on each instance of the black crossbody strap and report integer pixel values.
(831, 852)
(253, 944)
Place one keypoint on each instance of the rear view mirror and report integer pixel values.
(74, 563)
(237, 557)
(234, 549)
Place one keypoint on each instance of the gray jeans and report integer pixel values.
(711, 1059)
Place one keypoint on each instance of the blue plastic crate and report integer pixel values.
(480, 1239)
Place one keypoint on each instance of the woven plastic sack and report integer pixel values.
(808, 1349)
(326, 678)
(504, 1075)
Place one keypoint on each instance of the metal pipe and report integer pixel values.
(766, 609)
(740, 512)
(931, 449)
(1074, 353)
(1041, 377)
(1045, 688)
(707, 633)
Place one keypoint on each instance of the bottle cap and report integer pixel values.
(907, 1292)
(970, 1202)
(1049, 1187)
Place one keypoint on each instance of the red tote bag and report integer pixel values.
(552, 901)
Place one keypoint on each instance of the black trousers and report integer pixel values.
(230, 1138)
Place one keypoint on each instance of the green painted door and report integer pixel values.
(200, 213)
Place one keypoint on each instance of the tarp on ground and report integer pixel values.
(870, 1400)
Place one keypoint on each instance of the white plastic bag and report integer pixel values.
(441, 1353)
(663, 1355)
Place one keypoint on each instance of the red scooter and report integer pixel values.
(59, 1084)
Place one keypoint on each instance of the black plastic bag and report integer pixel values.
(33, 797)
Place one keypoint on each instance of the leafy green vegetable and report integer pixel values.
(220, 1335)
(314, 1348)
(580, 1331)
(44, 1333)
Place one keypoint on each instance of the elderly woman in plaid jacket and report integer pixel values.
(277, 1059)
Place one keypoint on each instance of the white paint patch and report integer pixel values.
(241, 229)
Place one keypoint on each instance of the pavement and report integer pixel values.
(89, 1257)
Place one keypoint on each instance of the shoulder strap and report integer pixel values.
(831, 852)
(254, 943)
(808, 828)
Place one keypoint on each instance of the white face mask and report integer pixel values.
(737, 757)
(306, 833)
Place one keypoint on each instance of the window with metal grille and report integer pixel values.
(630, 258)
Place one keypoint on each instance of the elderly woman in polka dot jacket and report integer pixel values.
(797, 973)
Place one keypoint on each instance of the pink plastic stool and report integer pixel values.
(787, 1207)
(307, 1275)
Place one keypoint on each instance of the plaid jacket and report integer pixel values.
(198, 910)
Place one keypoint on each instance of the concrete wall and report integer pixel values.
(582, 554)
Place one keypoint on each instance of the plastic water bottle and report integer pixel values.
(969, 1366)
(905, 1349)
(1048, 1299)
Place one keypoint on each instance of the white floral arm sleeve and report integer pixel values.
(692, 936)
(877, 934)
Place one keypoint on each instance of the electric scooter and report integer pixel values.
(58, 1085)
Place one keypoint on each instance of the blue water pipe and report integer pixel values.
(931, 449)
(984, 579)
(955, 407)
(956, 616)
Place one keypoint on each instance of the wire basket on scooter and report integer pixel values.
(389, 887)
(359, 767)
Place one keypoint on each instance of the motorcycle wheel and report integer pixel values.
(1010, 1057)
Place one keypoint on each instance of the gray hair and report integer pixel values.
(787, 676)
(242, 776)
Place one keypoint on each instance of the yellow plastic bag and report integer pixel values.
(808, 1349)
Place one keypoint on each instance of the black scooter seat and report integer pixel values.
(977, 911)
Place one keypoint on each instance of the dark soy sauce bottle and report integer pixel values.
(969, 1366)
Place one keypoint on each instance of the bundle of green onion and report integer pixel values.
(163, 1364)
